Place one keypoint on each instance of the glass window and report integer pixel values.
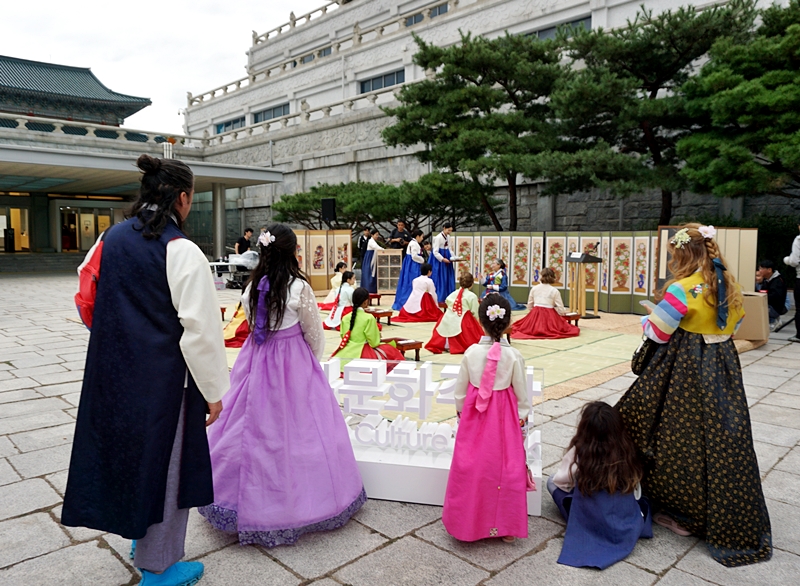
(325, 52)
(271, 113)
(414, 19)
(382, 81)
(230, 125)
(366, 86)
(550, 32)
(377, 83)
(438, 10)
(388, 79)
(307, 59)
(400, 76)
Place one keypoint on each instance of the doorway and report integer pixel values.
(18, 219)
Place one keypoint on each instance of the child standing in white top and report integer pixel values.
(487, 485)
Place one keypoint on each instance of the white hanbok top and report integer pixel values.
(334, 319)
(301, 307)
(419, 286)
(373, 245)
(336, 280)
(450, 326)
(510, 373)
(441, 240)
(415, 251)
(544, 295)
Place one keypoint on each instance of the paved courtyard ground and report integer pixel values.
(42, 353)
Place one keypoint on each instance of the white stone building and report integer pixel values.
(309, 103)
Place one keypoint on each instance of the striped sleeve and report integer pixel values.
(667, 315)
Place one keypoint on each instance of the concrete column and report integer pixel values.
(218, 218)
(546, 213)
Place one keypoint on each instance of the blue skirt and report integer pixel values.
(408, 272)
(443, 275)
(368, 280)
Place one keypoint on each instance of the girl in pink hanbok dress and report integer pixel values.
(486, 489)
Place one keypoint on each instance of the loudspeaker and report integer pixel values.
(329, 209)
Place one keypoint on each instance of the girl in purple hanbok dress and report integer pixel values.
(281, 455)
(488, 481)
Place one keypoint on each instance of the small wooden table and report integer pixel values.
(376, 296)
(379, 313)
(572, 318)
(443, 305)
(404, 345)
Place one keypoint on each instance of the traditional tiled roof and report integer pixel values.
(51, 81)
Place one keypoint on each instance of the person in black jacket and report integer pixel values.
(363, 240)
(771, 281)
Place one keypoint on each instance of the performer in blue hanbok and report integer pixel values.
(443, 273)
(409, 271)
(369, 265)
(497, 282)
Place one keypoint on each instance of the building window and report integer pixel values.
(382, 81)
(550, 32)
(325, 52)
(271, 113)
(438, 10)
(230, 125)
(414, 19)
(307, 58)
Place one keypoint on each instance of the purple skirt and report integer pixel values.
(280, 451)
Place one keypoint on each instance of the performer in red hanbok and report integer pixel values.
(422, 304)
(458, 328)
(544, 320)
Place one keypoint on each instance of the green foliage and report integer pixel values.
(746, 105)
(483, 115)
(434, 199)
(619, 114)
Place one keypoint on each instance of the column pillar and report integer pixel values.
(218, 218)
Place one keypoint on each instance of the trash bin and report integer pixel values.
(8, 237)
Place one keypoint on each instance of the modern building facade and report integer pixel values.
(310, 102)
(67, 171)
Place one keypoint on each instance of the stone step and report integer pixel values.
(33, 262)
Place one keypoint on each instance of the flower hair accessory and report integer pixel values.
(681, 237)
(495, 311)
(265, 239)
(708, 232)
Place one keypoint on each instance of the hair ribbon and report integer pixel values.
(722, 295)
(262, 311)
(488, 376)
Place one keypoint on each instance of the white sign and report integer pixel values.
(401, 459)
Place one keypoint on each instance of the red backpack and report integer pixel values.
(88, 276)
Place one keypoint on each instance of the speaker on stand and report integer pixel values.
(329, 209)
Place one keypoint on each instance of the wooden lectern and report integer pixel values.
(577, 284)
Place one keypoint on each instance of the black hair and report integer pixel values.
(373, 231)
(365, 228)
(447, 225)
(278, 263)
(339, 265)
(425, 269)
(346, 276)
(246, 230)
(426, 243)
(501, 262)
(360, 295)
(162, 182)
(497, 327)
(767, 264)
(400, 222)
(416, 233)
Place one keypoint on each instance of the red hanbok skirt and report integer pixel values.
(429, 311)
(385, 352)
(326, 306)
(543, 323)
(471, 332)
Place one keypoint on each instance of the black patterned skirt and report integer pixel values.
(687, 414)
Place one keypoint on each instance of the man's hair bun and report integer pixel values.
(148, 164)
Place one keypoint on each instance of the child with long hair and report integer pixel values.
(281, 454)
(487, 485)
(361, 337)
(544, 321)
(597, 490)
(423, 303)
(343, 303)
(336, 282)
(687, 412)
(458, 327)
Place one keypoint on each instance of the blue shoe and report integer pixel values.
(178, 574)
(133, 549)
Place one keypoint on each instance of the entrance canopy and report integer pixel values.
(81, 173)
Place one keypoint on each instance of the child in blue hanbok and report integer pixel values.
(497, 282)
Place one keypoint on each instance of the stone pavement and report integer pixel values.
(42, 352)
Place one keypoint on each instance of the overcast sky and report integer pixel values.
(154, 49)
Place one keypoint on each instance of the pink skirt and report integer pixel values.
(486, 489)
